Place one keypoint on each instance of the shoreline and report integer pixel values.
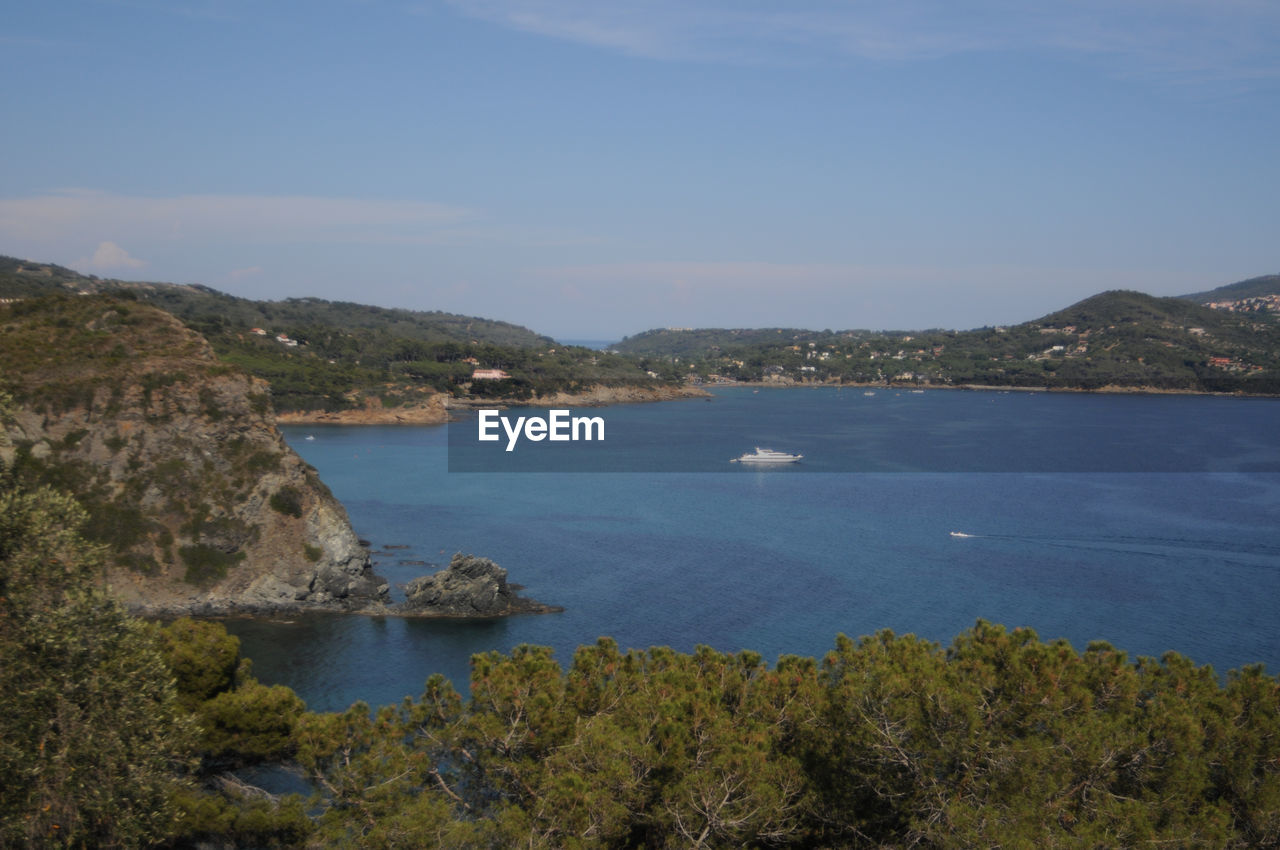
(289, 614)
(1109, 389)
(439, 407)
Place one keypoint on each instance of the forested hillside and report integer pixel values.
(330, 356)
(203, 306)
(1111, 340)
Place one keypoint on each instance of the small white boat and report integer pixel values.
(868, 393)
(766, 456)
(960, 534)
(310, 436)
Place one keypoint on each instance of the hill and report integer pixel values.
(673, 342)
(1254, 287)
(202, 305)
(324, 357)
(1125, 340)
(175, 457)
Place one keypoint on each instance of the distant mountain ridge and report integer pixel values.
(1254, 287)
(324, 358)
(1129, 307)
(197, 304)
(1113, 340)
(383, 364)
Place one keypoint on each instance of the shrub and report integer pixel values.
(205, 564)
(288, 501)
(203, 657)
(250, 724)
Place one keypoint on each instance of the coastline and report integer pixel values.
(1109, 389)
(440, 408)
(219, 610)
(437, 408)
(433, 411)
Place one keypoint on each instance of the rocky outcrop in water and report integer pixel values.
(177, 459)
(468, 587)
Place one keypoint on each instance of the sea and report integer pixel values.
(1151, 522)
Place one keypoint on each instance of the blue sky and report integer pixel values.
(593, 169)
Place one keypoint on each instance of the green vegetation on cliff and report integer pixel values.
(335, 370)
(96, 380)
(173, 456)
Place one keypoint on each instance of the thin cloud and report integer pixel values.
(1232, 39)
(110, 256)
(249, 219)
(653, 29)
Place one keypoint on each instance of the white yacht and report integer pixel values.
(766, 456)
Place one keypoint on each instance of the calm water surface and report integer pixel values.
(781, 560)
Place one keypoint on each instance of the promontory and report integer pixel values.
(176, 457)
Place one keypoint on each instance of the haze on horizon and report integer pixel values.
(592, 170)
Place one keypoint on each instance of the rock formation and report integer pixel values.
(468, 587)
(178, 461)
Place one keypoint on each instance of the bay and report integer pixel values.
(1181, 554)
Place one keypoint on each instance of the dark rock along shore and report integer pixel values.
(468, 587)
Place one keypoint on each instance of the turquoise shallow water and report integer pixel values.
(781, 560)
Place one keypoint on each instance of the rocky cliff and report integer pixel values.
(177, 459)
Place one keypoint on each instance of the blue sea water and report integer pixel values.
(780, 560)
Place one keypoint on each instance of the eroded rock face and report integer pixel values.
(178, 460)
(468, 587)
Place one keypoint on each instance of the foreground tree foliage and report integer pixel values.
(999, 740)
(92, 740)
(121, 734)
(115, 732)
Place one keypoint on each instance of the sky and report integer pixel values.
(593, 169)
